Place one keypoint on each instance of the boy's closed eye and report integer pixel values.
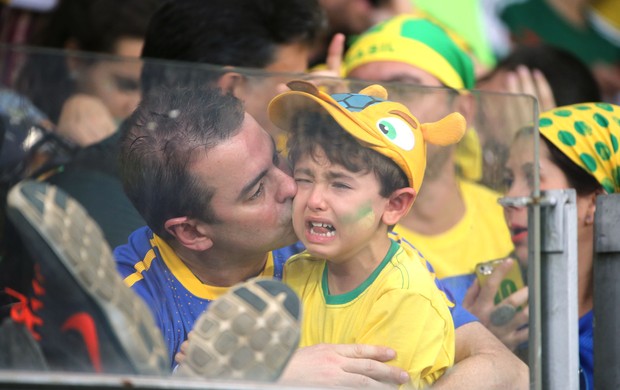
(341, 185)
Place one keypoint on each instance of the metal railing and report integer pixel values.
(607, 292)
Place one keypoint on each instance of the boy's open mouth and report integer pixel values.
(321, 229)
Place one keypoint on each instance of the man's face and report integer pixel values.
(427, 104)
(116, 83)
(257, 91)
(252, 194)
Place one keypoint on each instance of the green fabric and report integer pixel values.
(418, 41)
(434, 37)
(534, 21)
(464, 18)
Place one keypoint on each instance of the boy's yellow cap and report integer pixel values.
(384, 126)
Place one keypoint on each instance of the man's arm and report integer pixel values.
(483, 362)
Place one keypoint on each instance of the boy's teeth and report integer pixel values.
(323, 229)
(321, 224)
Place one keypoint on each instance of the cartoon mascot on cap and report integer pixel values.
(385, 126)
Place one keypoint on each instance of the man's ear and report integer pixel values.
(189, 232)
(231, 82)
(398, 205)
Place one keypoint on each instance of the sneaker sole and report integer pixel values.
(43, 212)
(249, 333)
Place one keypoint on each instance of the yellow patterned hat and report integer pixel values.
(384, 126)
(588, 134)
(418, 41)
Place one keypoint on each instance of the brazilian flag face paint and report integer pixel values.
(363, 217)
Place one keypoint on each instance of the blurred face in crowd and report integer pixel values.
(427, 104)
(348, 16)
(115, 82)
(519, 179)
(257, 90)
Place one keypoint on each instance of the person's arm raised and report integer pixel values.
(483, 362)
(336, 365)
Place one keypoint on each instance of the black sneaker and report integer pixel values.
(249, 333)
(79, 309)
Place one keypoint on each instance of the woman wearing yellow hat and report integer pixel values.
(580, 151)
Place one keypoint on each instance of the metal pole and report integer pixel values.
(534, 304)
(558, 290)
(534, 297)
(607, 292)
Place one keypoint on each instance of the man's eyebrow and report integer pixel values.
(405, 78)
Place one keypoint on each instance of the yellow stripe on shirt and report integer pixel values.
(140, 267)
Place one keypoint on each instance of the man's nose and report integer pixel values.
(287, 187)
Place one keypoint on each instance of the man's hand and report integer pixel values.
(335, 365)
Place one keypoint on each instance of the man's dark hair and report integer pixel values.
(571, 80)
(168, 131)
(241, 33)
(313, 129)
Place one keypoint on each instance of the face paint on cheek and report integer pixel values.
(364, 217)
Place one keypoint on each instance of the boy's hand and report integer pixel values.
(180, 356)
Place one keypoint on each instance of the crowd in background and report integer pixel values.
(566, 54)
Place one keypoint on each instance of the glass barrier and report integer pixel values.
(61, 113)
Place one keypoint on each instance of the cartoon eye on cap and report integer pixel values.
(397, 131)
